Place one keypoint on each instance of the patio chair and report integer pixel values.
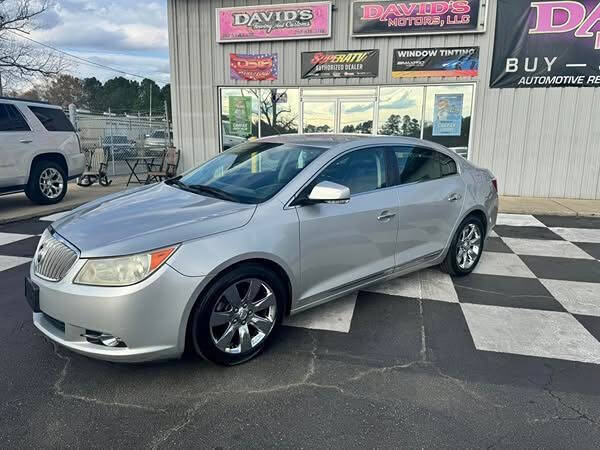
(95, 169)
(167, 168)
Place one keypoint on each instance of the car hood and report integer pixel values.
(148, 218)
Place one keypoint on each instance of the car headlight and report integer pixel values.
(123, 270)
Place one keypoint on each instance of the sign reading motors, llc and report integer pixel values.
(340, 64)
(274, 22)
(436, 62)
(400, 17)
(546, 43)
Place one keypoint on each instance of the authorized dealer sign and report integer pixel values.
(340, 64)
(546, 43)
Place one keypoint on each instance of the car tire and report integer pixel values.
(47, 183)
(229, 328)
(465, 252)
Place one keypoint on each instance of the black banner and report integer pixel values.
(399, 17)
(340, 64)
(546, 43)
(436, 62)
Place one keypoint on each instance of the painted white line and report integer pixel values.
(8, 262)
(9, 238)
(332, 316)
(55, 217)
(576, 65)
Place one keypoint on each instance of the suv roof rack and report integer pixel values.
(25, 100)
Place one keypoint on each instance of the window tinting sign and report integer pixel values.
(447, 114)
(340, 64)
(399, 17)
(436, 62)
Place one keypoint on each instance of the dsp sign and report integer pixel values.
(261, 67)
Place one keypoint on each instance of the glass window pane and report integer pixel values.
(400, 110)
(357, 117)
(53, 119)
(339, 92)
(318, 117)
(279, 111)
(11, 119)
(448, 116)
(239, 115)
(417, 164)
(361, 171)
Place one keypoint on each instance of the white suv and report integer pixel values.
(39, 150)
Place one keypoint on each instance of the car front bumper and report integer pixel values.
(150, 317)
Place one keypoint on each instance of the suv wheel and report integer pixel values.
(465, 249)
(47, 183)
(238, 316)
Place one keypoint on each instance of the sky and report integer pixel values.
(130, 35)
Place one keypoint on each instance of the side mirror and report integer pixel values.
(328, 192)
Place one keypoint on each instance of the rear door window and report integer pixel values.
(11, 119)
(53, 119)
(416, 164)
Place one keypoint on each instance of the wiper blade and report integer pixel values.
(215, 192)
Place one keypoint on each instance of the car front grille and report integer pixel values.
(53, 259)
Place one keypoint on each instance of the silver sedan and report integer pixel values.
(211, 261)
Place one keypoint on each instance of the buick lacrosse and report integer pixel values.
(211, 261)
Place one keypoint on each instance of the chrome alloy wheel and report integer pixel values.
(51, 183)
(243, 316)
(468, 246)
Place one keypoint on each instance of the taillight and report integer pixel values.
(495, 184)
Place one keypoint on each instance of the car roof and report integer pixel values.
(331, 140)
(30, 102)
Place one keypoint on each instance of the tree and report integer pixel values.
(64, 90)
(93, 95)
(148, 88)
(20, 61)
(121, 94)
(276, 118)
(391, 127)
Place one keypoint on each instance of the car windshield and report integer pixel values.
(252, 172)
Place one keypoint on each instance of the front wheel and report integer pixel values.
(466, 248)
(238, 315)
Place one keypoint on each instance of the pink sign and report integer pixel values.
(274, 22)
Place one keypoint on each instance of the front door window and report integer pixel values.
(356, 117)
(319, 117)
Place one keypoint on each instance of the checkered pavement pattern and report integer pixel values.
(535, 292)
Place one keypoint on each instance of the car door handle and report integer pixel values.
(25, 141)
(454, 197)
(385, 216)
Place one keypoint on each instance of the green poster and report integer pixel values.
(240, 115)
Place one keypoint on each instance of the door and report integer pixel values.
(430, 200)
(17, 139)
(341, 244)
(339, 111)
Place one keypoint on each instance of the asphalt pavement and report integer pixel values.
(507, 357)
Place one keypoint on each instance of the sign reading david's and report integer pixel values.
(398, 17)
(274, 22)
(546, 43)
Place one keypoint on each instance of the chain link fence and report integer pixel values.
(122, 137)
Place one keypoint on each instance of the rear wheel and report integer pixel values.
(466, 248)
(47, 183)
(238, 316)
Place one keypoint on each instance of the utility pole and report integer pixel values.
(150, 108)
(1, 89)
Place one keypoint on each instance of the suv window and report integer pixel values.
(423, 164)
(361, 171)
(11, 119)
(53, 119)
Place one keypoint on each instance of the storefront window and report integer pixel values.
(319, 117)
(278, 111)
(239, 116)
(400, 110)
(448, 116)
(356, 117)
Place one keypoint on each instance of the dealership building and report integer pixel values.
(512, 85)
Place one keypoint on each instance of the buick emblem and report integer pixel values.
(41, 254)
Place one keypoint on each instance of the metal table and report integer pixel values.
(134, 162)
